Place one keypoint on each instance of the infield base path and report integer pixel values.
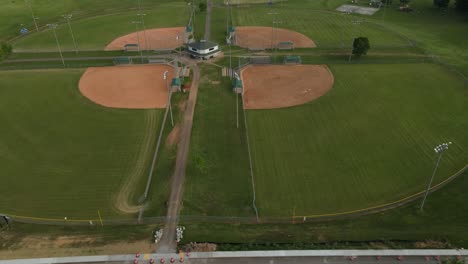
(151, 39)
(136, 86)
(267, 37)
(280, 86)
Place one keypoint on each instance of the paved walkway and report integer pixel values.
(270, 257)
(168, 243)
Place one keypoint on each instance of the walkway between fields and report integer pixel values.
(168, 243)
(387, 256)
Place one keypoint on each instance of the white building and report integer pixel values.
(203, 49)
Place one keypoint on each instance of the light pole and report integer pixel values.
(53, 26)
(68, 17)
(276, 22)
(138, 37)
(142, 19)
(440, 149)
(170, 94)
(32, 14)
(272, 26)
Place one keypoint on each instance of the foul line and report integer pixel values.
(251, 164)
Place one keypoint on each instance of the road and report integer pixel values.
(167, 243)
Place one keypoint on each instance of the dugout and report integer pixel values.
(237, 85)
(131, 47)
(122, 60)
(292, 59)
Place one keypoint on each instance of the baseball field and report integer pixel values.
(333, 135)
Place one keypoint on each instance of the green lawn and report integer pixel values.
(368, 141)
(15, 13)
(218, 177)
(325, 28)
(62, 155)
(444, 219)
(96, 32)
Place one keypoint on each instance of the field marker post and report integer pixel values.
(100, 219)
(440, 149)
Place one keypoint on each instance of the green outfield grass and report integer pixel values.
(368, 141)
(63, 155)
(16, 14)
(97, 32)
(325, 28)
(218, 176)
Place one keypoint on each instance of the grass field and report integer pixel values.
(325, 28)
(96, 32)
(368, 141)
(61, 154)
(444, 219)
(218, 176)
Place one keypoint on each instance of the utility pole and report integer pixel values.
(68, 17)
(53, 26)
(32, 14)
(357, 23)
(166, 77)
(142, 19)
(273, 19)
(440, 149)
(138, 37)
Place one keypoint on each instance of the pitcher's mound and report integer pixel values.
(266, 37)
(137, 86)
(279, 86)
(151, 39)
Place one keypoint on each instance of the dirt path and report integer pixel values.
(122, 201)
(168, 243)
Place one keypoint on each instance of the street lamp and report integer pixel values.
(148, 47)
(272, 26)
(440, 149)
(170, 94)
(68, 17)
(138, 37)
(53, 27)
(32, 14)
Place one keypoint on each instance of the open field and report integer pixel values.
(15, 13)
(63, 155)
(325, 28)
(218, 176)
(444, 219)
(366, 142)
(96, 32)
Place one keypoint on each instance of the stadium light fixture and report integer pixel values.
(53, 27)
(439, 149)
(68, 18)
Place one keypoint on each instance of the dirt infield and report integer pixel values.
(266, 37)
(158, 38)
(279, 86)
(136, 86)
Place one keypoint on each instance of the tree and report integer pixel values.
(461, 5)
(404, 2)
(360, 46)
(5, 50)
(441, 3)
(202, 6)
